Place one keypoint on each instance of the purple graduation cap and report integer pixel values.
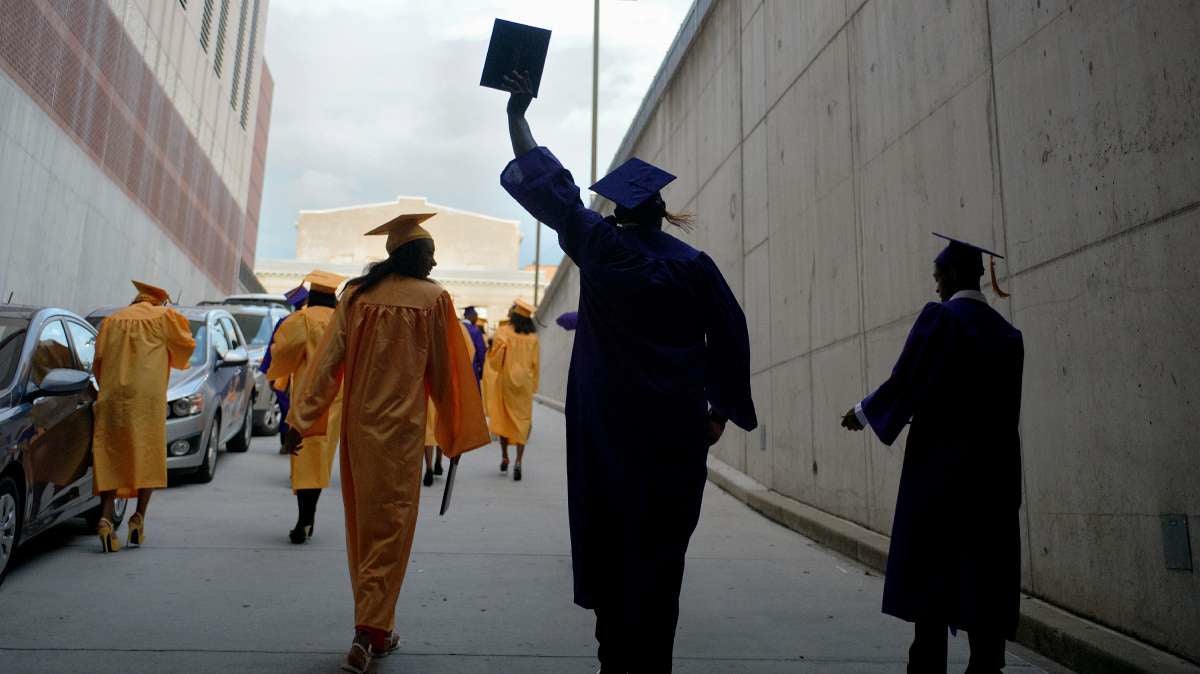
(296, 296)
(632, 183)
(968, 257)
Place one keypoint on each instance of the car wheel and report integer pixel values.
(241, 441)
(208, 469)
(271, 418)
(10, 522)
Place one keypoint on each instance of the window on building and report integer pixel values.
(222, 24)
(206, 24)
(250, 65)
(237, 56)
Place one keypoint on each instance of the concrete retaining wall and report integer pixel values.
(820, 142)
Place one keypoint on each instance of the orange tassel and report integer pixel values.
(995, 285)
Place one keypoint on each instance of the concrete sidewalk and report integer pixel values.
(218, 587)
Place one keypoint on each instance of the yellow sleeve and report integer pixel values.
(287, 350)
(492, 366)
(180, 344)
(451, 384)
(323, 379)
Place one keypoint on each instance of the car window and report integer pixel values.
(231, 333)
(200, 334)
(12, 338)
(84, 341)
(256, 327)
(219, 341)
(52, 351)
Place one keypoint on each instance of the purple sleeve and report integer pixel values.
(893, 404)
(547, 191)
(727, 351)
(568, 320)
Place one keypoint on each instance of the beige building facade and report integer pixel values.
(477, 254)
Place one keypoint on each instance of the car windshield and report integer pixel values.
(200, 334)
(256, 327)
(12, 338)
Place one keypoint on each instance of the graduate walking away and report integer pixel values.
(135, 351)
(296, 297)
(294, 348)
(395, 341)
(513, 379)
(955, 557)
(647, 394)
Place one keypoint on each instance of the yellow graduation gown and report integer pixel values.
(513, 363)
(395, 347)
(431, 416)
(294, 349)
(135, 350)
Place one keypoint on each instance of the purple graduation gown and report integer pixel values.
(660, 338)
(480, 348)
(955, 554)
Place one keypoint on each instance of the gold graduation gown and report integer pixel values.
(513, 363)
(135, 350)
(431, 416)
(295, 347)
(395, 346)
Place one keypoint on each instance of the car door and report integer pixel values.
(239, 390)
(220, 376)
(59, 449)
(83, 343)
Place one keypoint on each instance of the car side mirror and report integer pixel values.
(61, 382)
(235, 356)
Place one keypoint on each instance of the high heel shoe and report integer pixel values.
(301, 533)
(428, 481)
(517, 473)
(137, 530)
(108, 538)
(504, 465)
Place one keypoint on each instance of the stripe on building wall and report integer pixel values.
(76, 61)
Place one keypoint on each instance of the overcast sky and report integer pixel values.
(380, 98)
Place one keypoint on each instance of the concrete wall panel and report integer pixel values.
(719, 222)
(796, 33)
(789, 432)
(755, 188)
(936, 178)
(839, 458)
(757, 305)
(719, 118)
(883, 347)
(754, 70)
(760, 463)
(834, 311)
(1114, 139)
(915, 55)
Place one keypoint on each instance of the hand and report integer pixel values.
(850, 421)
(293, 441)
(713, 431)
(521, 90)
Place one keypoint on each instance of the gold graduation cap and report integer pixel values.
(403, 229)
(524, 308)
(151, 293)
(324, 281)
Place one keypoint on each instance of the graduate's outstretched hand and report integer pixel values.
(292, 441)
(850, 421)
(521, 92)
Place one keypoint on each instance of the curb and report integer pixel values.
(1064, 637)
(550, 402)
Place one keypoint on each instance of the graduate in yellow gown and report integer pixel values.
(293, 350)
(434, 466)
(511, 375)
(394, 344)
(135, 351)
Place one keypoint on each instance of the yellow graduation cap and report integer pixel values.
(524, 308)
(324, 281)
(403, 229)
(149, 293)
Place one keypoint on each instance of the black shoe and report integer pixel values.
(428, 481)
(300, 534)
(517, 473)
(504, 466)
(437, 468)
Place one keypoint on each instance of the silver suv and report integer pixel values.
(258, 324)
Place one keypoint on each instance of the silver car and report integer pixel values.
(208, 404)
(258, 324)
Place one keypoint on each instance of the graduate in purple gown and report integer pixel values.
(296, 297)
(470, 315)
(647, 394)
(955, 557)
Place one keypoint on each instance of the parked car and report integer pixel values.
(256, 299)
(208, 404)
(46, 419)
(258, 324)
